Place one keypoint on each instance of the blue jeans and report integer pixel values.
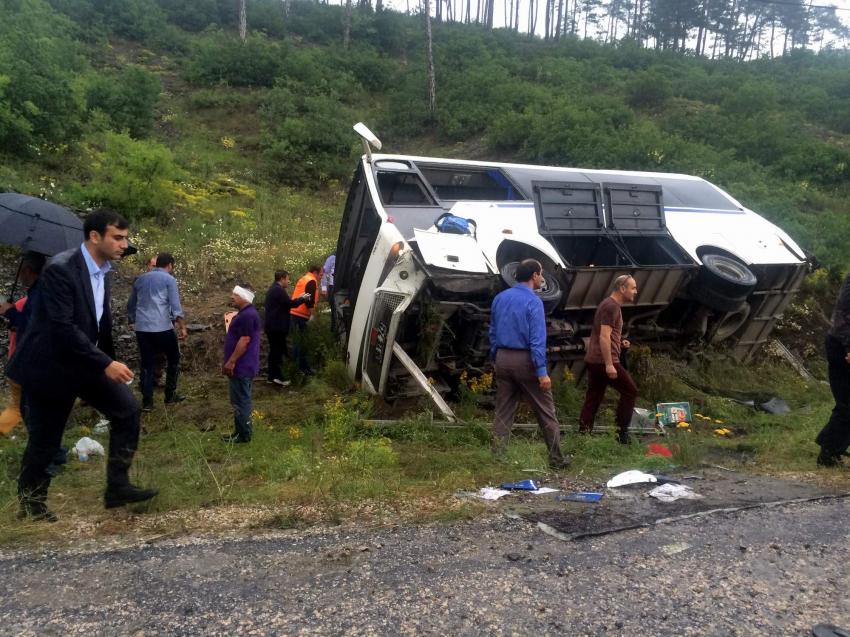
(240, 398)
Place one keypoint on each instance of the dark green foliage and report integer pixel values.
(135, 178)
(40, 107)
(128, 98)
(306, 137)
(221, 58)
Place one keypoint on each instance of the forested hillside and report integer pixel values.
(160, 109)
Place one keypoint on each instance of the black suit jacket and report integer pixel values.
(64, 341)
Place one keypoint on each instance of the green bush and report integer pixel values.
(220, 58)
(306, 138)
(136, 178)
(40, 103)
(128, 98)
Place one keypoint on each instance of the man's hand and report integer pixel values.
(306, 296)
(132, 327)
(625, 343)
(118, 372)
(228, 368)
(5, 307)
(182, 333)
(611, 371)
(545, 382)
(847, 358)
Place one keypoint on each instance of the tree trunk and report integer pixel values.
(559, 19)
(346, 27)
(429, 54)
(243, 20)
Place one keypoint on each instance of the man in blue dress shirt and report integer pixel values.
(518, 345)
(153, 312)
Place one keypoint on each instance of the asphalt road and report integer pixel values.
(760, 572)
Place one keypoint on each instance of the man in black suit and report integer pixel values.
(277, 307)
(67, 352)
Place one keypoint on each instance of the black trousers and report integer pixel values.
(151, 344)
(277, 351)
(835, 436)
(299, 349)
(46, 409)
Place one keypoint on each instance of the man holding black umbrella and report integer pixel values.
(67, 353)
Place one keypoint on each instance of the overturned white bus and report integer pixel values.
(413, 302)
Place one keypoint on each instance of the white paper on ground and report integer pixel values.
(491, 493)
(543, 490)
(630, 477)
(672, 492)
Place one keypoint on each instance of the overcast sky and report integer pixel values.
(843, 7)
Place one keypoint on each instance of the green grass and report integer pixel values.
(314, 460)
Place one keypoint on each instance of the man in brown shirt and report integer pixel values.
(602, 360)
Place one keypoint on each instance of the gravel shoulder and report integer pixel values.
(763, 571)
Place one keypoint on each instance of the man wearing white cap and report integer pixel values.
(242, 361)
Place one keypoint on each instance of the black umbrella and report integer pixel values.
(35, 225)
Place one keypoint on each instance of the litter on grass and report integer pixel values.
(86, 447)
(630, 477)
(491, 493)
(670, 492)
(101, 426)
(543, 490)
(522, 485)
(655, 449)
(580, 496)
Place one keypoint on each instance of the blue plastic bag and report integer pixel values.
(523, 485)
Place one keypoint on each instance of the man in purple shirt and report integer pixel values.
(518, 345)
(242, 361)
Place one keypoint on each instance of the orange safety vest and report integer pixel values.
(300, 288)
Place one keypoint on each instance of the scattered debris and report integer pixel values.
(655, 449)
(670, 492)
(580, 496)
(86, 447)
(101, 426)
(673, 549)
(542, 490)
(673, 413)
(522, 485)
(630, 477)
(491, 493)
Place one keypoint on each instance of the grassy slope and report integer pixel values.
(294, 472)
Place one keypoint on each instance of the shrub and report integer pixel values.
(219, 58)
(128, 98)
(40, 105)
(134, 177)
(306, 138)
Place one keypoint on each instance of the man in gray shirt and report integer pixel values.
(153, 311)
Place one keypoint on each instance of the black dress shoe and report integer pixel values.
(146, 406)
(176, 398)
(624, 438)
(35, 510)
(235, 438)
(126, 494)
(828, 458)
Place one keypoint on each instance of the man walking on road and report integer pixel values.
(242, 362)
(66, 353)
(518, 346)
(603, 360)
(278, 304)
(834, 438)
(306, 285)
(154, 311)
